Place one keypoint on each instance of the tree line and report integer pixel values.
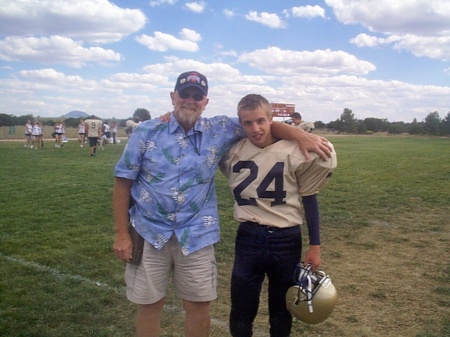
(431, 125)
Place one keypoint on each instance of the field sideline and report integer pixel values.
(385, 233)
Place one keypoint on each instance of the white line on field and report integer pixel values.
(57, 273)
(60, 275)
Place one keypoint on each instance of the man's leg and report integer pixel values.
(197, 322)
(195, 282)
(149, 318)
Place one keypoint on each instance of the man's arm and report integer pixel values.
(121, 202)
(311, 208)
(306, 141)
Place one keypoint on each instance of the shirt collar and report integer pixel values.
(174, 126)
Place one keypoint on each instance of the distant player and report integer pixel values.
(81, 132)
(298, 122)
(58, 131)
(35, 133)
(93, 130)
(28, 132)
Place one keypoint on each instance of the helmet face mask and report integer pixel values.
(313, 298)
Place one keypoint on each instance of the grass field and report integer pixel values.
(385, 243)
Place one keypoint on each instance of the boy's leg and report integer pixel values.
(285, 248)
(246, 279)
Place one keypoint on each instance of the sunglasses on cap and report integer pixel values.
(196, 96)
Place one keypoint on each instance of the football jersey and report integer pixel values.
(93, 126)
(267, 183)
(306, 126)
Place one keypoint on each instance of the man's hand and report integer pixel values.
(307, 142)
(313, 143)
(123, 246)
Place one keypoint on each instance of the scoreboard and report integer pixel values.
(282, 109)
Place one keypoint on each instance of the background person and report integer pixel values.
(167, 172)
(298, 122)
(113, 131)
(35, 134)
(64, 136)
(81, 132)
(106, 132)
(41, 134)
(28, 133)
(93, 127)
(267, 177)
(58, 130)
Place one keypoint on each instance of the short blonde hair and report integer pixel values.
(253, 102)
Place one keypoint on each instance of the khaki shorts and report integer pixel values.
(194, 276)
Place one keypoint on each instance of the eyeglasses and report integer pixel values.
(197, 96)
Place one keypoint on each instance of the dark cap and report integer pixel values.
(192, 79)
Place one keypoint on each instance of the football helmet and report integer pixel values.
(313, 297)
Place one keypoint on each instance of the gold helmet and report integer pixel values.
(313, 298)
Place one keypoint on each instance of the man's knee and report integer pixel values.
(201, 308)
(151, 309)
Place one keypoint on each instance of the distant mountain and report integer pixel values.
(76, 114)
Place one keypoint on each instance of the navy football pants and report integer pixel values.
(262, 250)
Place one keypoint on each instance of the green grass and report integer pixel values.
(385, 232)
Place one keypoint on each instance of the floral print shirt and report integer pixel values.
(173, 179)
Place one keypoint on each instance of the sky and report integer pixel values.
(387, 59)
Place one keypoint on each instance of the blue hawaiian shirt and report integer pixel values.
(173, 174)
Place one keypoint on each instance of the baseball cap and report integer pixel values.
(192, 79)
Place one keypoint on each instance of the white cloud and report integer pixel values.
(319, 62)
(49, 75)
(163, 42)
(196, 7)
(219, 49)
(421, 17)
(421, 27)
(156, 3)
(228, 13)
(431, 47)
(437, 47)
(174, 66)
(267, 19)
(308, 11)
(138, 78)
(48, 92)
(365, 40)
(232, 53)
(96, 21)
(54, 50)
(190, 35)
